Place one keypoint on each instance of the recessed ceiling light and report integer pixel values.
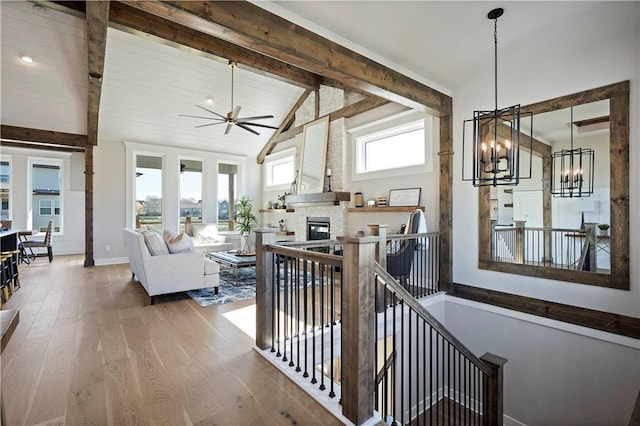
(25, 57)
(209, 100)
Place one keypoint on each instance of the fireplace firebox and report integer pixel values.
(318, 228)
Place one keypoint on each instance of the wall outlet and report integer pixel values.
(107, 248)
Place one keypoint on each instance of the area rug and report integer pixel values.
(230, 291)
(227, 291)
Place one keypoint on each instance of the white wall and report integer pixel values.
(71, 239)
(526, 78)
(556, 373)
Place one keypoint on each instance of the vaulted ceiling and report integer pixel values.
(146, 84)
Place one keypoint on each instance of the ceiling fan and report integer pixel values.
(231, 118)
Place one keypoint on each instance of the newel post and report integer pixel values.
(494, 390)
(358, 328)
(264, 287)
(519, 254)
(493, 239)
(593, 245)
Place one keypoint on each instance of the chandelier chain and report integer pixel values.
(495, 59)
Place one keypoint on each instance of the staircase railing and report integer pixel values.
(426, 375)
(319, 316)
(561, 248)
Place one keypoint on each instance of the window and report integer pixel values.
(46, 184)
(148, 194)
(280, 171)
(5, 185)
(44, 207)
(190, 191)
(227, 190)
(393, 148)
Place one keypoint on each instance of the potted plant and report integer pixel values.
(282, 198)
(604, 228)
(245, 219)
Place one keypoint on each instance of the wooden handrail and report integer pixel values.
(324, 258)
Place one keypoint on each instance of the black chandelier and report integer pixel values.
(572, 170)
(497, 137)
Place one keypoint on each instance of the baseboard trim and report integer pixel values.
(605, 321)
(111, 261)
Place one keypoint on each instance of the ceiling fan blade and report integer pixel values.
(247, 128)
(256, 124)
(257, 117)
(197, 116)
(212, 112)
(236, 111)
(228, 129)
(210, 124)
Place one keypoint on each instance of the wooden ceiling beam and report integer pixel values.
(97, 20)
(45, 147)
(143, 24)
(247, 25)
(135, 21)
(47, 137)
(346, 112)
(286, 122)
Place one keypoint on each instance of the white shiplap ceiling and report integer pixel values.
(146, 85)
(51, 93)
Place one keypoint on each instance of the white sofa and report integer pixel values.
(206, 239)
(169, 273)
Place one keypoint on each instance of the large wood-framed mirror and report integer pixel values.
(609, 203)
(311, 169)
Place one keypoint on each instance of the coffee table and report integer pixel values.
(231, 259)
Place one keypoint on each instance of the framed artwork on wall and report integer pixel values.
(407, 197)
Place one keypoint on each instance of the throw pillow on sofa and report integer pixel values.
(155, 243)
(180, 243)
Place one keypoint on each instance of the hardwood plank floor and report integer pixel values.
(89, 349)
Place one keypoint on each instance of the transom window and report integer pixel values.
(280, 171)
(392, 148)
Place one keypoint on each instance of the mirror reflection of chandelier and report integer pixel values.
(496, 137)
(572, 170)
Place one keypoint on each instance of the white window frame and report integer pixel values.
(388, 127)
(40, 207)
(9, 159)
(276, 159)
(50, 162)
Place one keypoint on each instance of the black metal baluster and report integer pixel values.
(396, 352)
(278, 313)
(438, 372)
(322, 311)
(430, 374)
(306, 324)
(409, 338)
(286, 308)
(292, 268)
(298, 337)
(402, 374)
(331, 277)
(314, 288)
(274, 312)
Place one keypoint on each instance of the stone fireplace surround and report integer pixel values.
(337, 214)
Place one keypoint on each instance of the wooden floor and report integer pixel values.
(90, 350)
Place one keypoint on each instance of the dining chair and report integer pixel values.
(44, 243)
